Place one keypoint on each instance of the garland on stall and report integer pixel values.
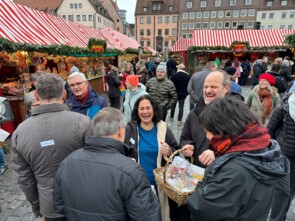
(95, 41)
(290, 40)
(192, 60)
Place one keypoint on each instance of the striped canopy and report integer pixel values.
(182, 44)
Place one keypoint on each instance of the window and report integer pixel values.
(76, 5)
(184, 26)
(174, 31)
(203, 4)
(235, 24)
(269, 27)
(70, 17)
(170, 8)
(192, 15)
(141, 20)
(235, 13)
(232, 2)
(159, 19)
(199, 15)
(284, 2)
(190, 35)
(284, 15)
(262, 27)
(166, 31)
(227, 24)
(269, 3)
(217, 3)
(219, 24)
(242, 23)
(191, 25)
(159, 31)
(282, 26)
(205, 25)
(167, 19)
(78, 17)
(84, 18)
(228, 13)
(243, 12)
(104, 21)
(248, 2)
(142, 43)
(184, 15)
(263, 15)
(189, 4)
(148, 20)
(206, 14)
(148, 32)
(220, 14)
(148, 43)
(251, 12)
(154, 7)
(166, 44)
(159, 7)
(64, 17)
(198, 25)
(174, 19)
(250, 24)
(141, 32)
(292, 14)
(89, 17)
(290, 27)
(80, 5)
(213, 14)
(271, 15)
(212, 25)
(184, 35)
(71, 6)
(99, 19)
(52, 12)
(144, 9)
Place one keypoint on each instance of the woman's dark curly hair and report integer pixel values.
(156, 107)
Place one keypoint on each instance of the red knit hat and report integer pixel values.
(271, 80)
(133, 80)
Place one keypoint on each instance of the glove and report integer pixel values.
(36, 210)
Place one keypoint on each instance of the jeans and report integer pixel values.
(180, 106)
(2, 158)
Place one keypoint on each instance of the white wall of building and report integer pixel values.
(278, 19)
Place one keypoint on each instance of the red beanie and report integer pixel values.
(271, 80)
(133, 80)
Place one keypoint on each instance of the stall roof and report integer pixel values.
(256, 38)
(182, 44)
(21, 24)
(147, 48)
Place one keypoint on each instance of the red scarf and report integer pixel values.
(265, 97)
(255, 137)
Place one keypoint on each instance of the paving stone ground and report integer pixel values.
(14, 207)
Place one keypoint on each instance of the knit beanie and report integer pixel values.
(162, 67)
(271, 80)
(133, 80)
(230, 70)
(74, 69)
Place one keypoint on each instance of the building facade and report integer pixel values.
(156, 23)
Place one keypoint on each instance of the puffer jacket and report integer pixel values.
(239, 186)
(40, 144)
(99, 183)
(282, 127)
(90, 107)
(163, 91)
(130, 98)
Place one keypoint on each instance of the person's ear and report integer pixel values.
(36, 95)
(64, 97)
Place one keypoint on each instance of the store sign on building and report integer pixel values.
(97, 48)
(239, 49)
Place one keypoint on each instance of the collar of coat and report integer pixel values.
(47, 108)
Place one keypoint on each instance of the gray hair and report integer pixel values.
(211, 64)
(226, 78)
(75, 74)
(29, 99)
(50, 86)
(107, 122)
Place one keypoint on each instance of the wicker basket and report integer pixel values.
(160, 173)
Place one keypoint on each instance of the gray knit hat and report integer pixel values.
(162, 66)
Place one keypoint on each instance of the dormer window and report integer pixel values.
(144, 9)
(189, 5)
(170, 8)
(269, 3)
(284, 2)
(203, 4)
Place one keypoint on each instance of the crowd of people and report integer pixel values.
(75, 158)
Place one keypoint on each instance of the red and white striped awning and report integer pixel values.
(256, 38)
(182, 44)
(21, 24)
(147, 48)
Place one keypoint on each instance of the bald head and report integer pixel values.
(216, 85)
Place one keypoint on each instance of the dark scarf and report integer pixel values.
(265, 97)
(255, 137)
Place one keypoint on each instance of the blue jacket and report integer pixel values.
(92, 105)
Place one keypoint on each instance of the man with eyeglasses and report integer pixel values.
(84, 100)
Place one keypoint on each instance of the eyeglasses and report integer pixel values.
(77, 84)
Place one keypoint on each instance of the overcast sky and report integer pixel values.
(129, 6)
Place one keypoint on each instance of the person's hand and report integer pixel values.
(188, 150)
(207, 157)
(36, 210)
(165, 149)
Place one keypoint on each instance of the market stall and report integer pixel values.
(180, 50)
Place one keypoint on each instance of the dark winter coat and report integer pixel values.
(180, 80)
(279, 82)
(286, 74)
(258, 69)
(193, 133)
(171, 66)
(90, 107)
(239, 186)
(144, 75)
(163, 91)
(99, 183)
(153, 71)
(282, 127)
(114, 83)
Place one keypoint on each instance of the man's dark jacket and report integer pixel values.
(99, 183)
